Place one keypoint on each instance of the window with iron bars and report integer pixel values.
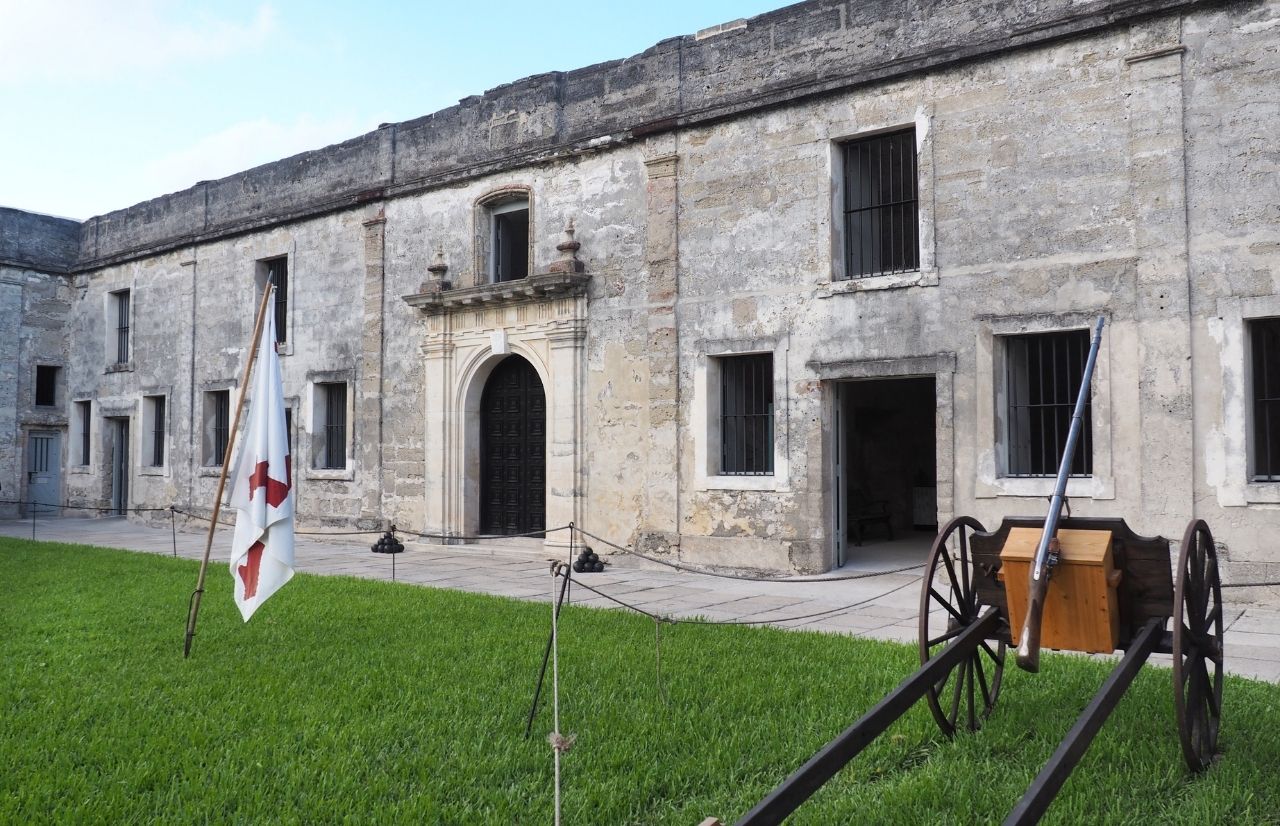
(1042, 377)
(1264, 340)
(881, 215)
(121, 299)
(746, 415)
(84, 412)
(332, 431)
(217, 422)
(278, 274)
(154, 420)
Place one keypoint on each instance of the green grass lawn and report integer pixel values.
(350, 700)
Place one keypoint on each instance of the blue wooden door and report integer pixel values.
(44, 465)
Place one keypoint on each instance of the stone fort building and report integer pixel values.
(741, 298)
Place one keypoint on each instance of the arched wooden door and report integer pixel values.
(513, 445)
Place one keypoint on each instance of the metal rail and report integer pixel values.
(820, 768)
(1051, 778)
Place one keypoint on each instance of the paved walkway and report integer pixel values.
(879, 607)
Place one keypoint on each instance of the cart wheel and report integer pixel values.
(1197, 646)
(949, 605)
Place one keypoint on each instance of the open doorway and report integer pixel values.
(118, 458)
(886, 470)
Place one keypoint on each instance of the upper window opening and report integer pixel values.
(509, 239)
(1264, 335)
(746, 415)
(881, 220)
(46, 385)
(120, 321)
(276, 271)
(1042, 377)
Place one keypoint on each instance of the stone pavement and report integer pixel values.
(881, 607)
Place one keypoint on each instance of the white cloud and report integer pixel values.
(76, 39)
(239, 147)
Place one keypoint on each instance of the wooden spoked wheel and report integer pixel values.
(1197, 647)
(948, 605)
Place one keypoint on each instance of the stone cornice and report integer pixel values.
(539, 287)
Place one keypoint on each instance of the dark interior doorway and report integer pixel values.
(118, 432)
(886, 442)
(513, 444)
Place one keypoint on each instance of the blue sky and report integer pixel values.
(104, 103)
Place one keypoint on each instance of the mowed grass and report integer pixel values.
(368, 702)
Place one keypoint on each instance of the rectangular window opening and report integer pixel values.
(217, 426)
(46, 385)
(277, 273)
(331, 429)
(154, 424)
(881, 205)
(510, 241)
(81, 424)
(1264, 341)
(120, 301)
(1042, 377)
(746, 415)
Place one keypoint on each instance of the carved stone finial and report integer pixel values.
(568, 252)
(438, 281)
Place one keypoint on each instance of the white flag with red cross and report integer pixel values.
(262, 490)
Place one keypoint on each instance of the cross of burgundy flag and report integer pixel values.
(262, 492)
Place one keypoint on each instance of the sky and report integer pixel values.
(105, 103)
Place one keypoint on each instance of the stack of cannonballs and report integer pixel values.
(588, 563)
(388, 544)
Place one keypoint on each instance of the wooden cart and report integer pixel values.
(1113, 590)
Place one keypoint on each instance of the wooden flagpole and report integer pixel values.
(226, 464)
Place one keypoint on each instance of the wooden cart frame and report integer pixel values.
(964, 634)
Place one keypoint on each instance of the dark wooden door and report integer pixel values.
(513, 428)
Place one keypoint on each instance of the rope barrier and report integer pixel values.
(34, 504)
(746, 577)
(698, 621)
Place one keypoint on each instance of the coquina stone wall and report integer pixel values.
(1074, 160)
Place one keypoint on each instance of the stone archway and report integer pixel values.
(513, 438)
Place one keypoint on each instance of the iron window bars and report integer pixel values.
(746, 415)
(221, 425)
(1265, 363)
(278, 274)
(335, 426)
(881, 215)
(157, 431)
(122, 326)
(85, 411)
(1042, 376)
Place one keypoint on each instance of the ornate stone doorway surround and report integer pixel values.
(542, 319)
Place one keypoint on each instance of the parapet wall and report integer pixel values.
(801, 50)
(32, 241)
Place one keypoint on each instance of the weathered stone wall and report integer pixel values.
(35, 253)
(803, 49)
(1125, 170)
(37, 242)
